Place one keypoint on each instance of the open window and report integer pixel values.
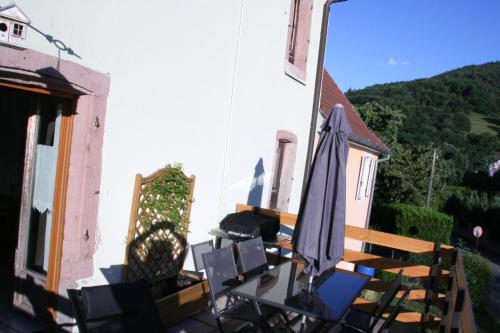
(299, 31)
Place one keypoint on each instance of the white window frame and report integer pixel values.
(18, 30)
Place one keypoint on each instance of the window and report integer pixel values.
(18, 30)
(299, 30)
(365, 176)
(284, 164)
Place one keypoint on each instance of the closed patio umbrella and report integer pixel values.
(319, 234)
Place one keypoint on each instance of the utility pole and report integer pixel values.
(433, 168)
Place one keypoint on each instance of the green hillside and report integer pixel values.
(482, 124)
(457, 111)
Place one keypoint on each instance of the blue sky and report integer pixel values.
(379, 41)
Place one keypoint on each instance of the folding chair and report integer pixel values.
(379, 326)
(222, 275)
(366, 321)
(253, 261)
(252, 256)
(198, 250)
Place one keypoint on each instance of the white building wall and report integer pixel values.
(267, 100)
(189, 84)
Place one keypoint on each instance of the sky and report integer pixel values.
(380, 41)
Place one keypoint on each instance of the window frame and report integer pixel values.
(18, 30)
(298, 39)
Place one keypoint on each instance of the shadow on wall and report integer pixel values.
(113, 274)
(257, 186)
(60, 46)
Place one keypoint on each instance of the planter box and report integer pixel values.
(183, 303)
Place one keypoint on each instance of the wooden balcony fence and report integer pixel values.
(443, 293)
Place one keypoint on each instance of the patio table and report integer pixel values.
(285, 287)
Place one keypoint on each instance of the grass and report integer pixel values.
(479, 124)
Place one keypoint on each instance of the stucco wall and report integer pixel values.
(356, 210)
(196, 82)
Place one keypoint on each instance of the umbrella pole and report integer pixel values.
(309, 290)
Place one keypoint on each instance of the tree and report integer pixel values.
(383, 120)
(438, 111)
(404, 177)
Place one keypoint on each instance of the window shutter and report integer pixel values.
(369, 178)
(299, 31)
(364, 177)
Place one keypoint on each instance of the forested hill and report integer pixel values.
(457, 110)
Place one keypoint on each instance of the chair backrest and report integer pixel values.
(221, 271)
(252, 256)
(121, 307)
(198, 250)
(75, 296)
(388, 295)
(395, 311)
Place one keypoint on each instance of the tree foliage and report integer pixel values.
(435, 112)
(405, 176)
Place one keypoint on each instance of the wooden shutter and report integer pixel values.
(363, 177)
(299, 31)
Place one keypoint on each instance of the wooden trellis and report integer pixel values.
(156, 247)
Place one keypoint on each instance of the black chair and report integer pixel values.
(121, 307)
(252, 257)
(365, 321)
(379, 326)
(220, 268)
(253, 261)
(198, 250)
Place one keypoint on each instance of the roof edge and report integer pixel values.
(369, 144)
(12, 5)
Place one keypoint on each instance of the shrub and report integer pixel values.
(479, 275)
(470, 207)
(413, 221)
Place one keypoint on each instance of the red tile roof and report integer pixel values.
(331, 95)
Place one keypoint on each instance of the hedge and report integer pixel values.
(478, 274)
(413, 221)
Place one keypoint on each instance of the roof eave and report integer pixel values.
(12, 5)
(369, 144)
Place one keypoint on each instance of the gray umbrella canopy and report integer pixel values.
(319, 234)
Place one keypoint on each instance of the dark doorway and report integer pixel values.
(14, 111)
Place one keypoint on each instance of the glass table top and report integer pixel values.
(285, 287)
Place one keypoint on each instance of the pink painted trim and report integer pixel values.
(36, 62)
(287, 135)
(29, 67)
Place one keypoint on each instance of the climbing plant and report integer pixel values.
(159, 221)
(165, 199)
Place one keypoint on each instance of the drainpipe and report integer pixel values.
(372, 188)
(317, 89)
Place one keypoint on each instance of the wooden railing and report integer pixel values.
(445, 290)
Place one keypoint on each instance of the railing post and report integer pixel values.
(433, 282)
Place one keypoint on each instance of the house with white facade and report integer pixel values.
(104, 91)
